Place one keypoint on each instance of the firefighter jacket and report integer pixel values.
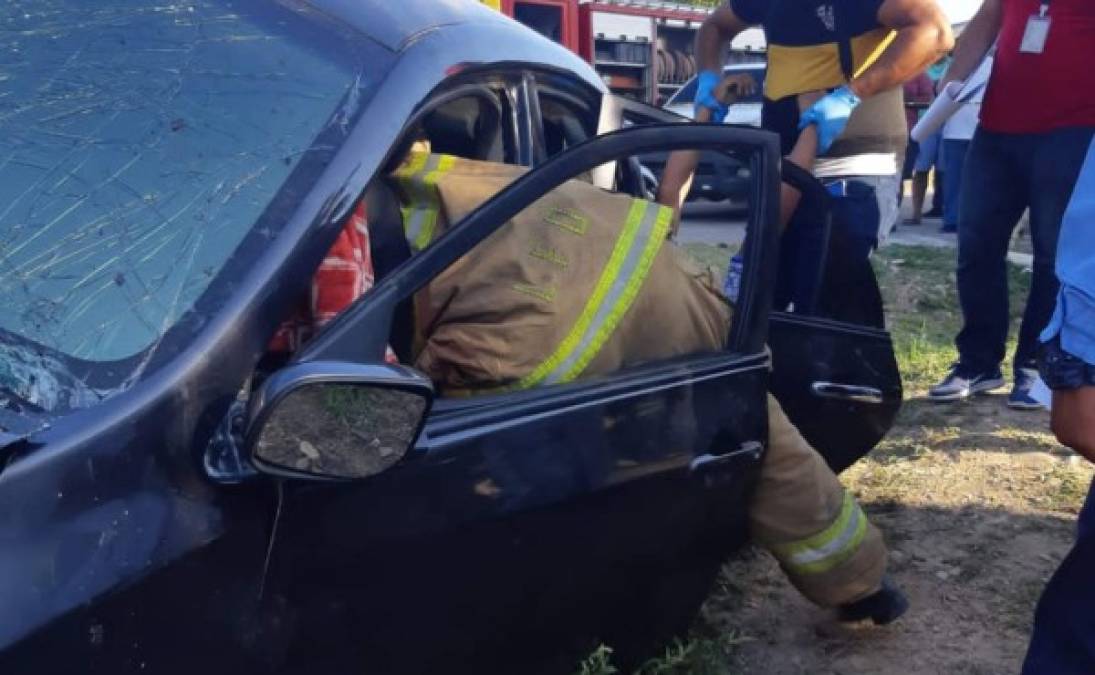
(582, 282)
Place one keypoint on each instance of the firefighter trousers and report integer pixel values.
(814, 528)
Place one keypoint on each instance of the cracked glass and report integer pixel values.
(140, 143)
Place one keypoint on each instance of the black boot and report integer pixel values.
(884, 606)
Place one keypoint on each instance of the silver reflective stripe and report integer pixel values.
(619, 286)
(834, 547)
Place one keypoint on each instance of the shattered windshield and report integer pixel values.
(140, 143)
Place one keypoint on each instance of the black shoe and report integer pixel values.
(884, 606)
(949, 229)
(934, 213)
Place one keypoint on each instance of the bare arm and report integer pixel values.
(717, 30)
(677, 175)
(804, 154)
(975, 42)
(923, 35)
(681, 165)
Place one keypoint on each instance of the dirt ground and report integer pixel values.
(978, 506)
(977, 503)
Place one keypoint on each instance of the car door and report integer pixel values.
(527, 527)
(834, 368)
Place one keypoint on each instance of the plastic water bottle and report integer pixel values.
(733, 278)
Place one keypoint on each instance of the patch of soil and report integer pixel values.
(977, 503)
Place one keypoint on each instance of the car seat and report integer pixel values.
(468, 127)
(389, 248)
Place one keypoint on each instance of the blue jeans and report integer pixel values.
(1063, 642)
(954, 160)
(1006, 174)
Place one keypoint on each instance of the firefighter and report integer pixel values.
(581, 284)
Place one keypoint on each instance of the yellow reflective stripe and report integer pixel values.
(632, 255)
(651, 242)
(828, 548)
(420, 177)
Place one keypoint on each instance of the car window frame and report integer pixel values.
(354, 335)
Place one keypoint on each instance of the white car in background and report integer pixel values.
(745, 111)
(724, 179)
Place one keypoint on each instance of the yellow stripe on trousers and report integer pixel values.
(419, 177)
(644, 231)
(830, 547)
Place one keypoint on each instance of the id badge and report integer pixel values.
(1034, 37)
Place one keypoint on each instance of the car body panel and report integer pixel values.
(120, 553)
(127, 472)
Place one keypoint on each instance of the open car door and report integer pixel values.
(525, 527)
(834, 369)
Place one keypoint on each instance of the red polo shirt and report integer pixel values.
(1034, 93)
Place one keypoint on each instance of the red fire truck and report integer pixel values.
(641, 48)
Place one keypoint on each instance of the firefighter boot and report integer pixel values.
(884, 606)
(800, 512)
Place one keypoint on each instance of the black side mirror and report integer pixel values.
(331, 420)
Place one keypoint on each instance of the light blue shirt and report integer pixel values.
(1074, 317)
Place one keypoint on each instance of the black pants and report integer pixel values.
(1063, 642)
(1006, 174)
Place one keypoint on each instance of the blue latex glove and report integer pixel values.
(830, 114)
(705, 95)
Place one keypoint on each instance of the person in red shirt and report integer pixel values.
(1037, 120)
(343, 277)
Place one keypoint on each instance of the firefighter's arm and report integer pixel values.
(923, 35)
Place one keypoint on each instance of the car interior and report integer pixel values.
(471, 123)
(470, 126)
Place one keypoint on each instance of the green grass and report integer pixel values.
(923, 315)
(922, 308)
(710, 256)
(696, 656)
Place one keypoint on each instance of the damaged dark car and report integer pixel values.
(171, 178)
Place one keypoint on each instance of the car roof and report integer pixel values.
(395, 25)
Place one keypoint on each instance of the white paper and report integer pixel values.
(944, 105)
(1041, 393)
(953, 97)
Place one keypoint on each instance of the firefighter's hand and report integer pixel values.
(830, 116)
(707, 85)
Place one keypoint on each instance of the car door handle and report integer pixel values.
(848, 392)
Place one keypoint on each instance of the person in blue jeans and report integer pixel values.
(1037, 120)
(957, 133)
(1063, 641)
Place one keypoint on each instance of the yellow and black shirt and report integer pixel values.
(822, 44)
